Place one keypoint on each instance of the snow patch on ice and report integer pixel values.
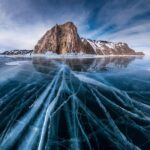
(15, 63)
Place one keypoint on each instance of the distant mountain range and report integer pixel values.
(17, 52)
(63, 39)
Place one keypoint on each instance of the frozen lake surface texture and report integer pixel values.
(75, 104)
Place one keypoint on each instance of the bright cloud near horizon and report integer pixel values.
(23, 22)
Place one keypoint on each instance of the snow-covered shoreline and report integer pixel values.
(67, 56)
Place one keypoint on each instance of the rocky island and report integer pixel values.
(64, 39)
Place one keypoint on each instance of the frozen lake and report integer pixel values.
(76, 104)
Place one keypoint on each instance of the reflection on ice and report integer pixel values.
(63, 104)
(90, 64)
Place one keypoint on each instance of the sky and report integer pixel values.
(23, 22)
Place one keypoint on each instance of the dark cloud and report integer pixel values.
(30, 11)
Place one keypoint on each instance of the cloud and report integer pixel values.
(124, 20)
(21, 28)
(22, 23)
(17, 36)
(136, 36)
(21, 37)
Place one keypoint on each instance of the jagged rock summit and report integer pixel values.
(62, 39)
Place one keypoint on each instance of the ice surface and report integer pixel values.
(76, 104)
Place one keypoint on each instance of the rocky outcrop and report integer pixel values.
(112, 48)
(62, 39)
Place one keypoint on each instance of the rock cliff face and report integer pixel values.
(64, 38)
